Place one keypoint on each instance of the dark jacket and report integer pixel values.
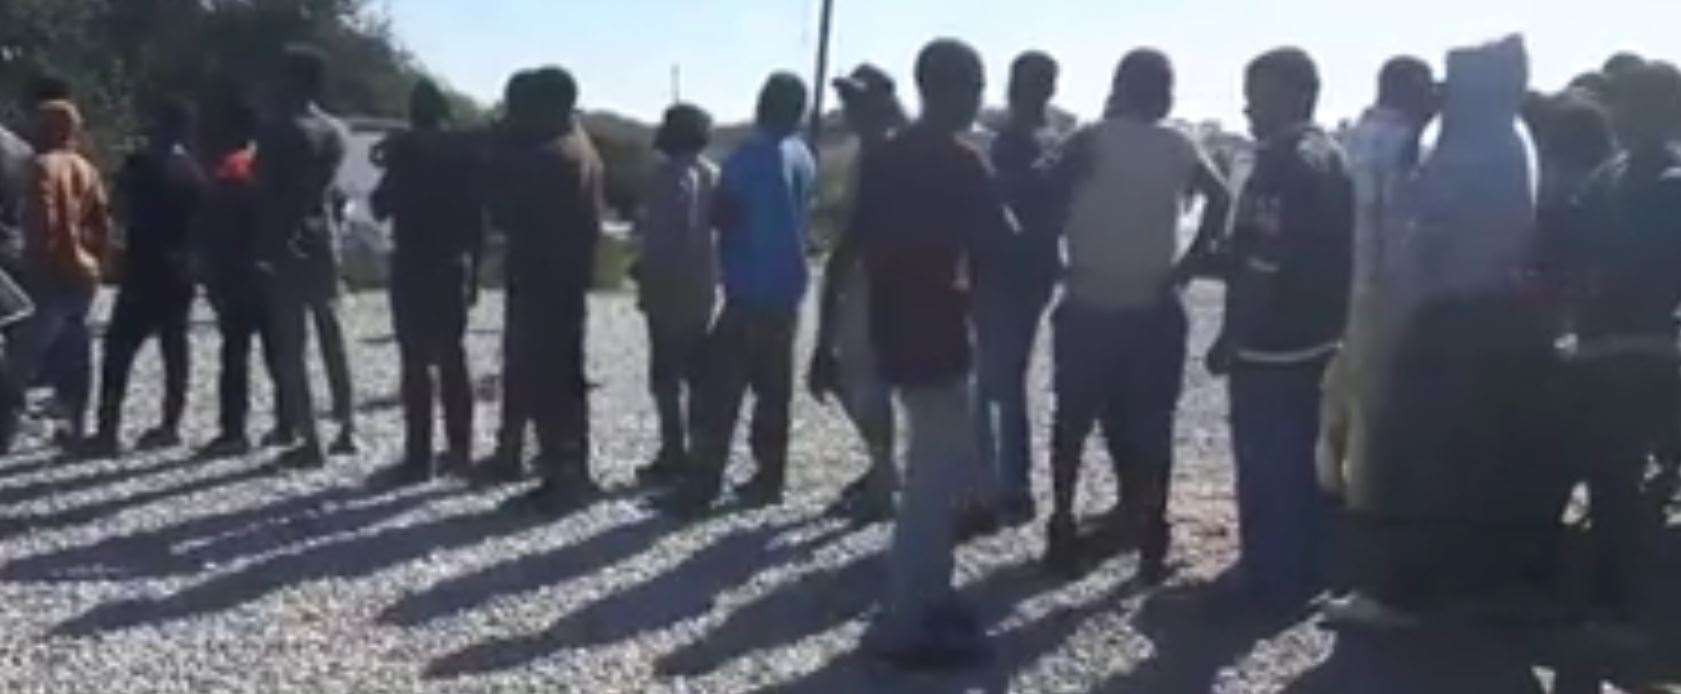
(1293, 252)
(546, 193)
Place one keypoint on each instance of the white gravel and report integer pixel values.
(158, 573)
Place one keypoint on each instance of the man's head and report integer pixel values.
(951, 79)
(1647, 106)
(1593, 85)
(541, 102)
(428, 107)
(303, 73)
(1406, 85)
(781, 104)
(1032, 84)
(869, 102)
(1281, 89)
(1143, 86)
(687, 129)
(1621, 62)
(1575, 132)
(48, 87)
(236, 124)
(171, 121)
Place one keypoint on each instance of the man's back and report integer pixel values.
(1123, 228)
(547, 196)
(163, 191)
(1631, 214)
(298, 157)
(431, 189)
(768, 184)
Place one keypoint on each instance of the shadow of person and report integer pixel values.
(74, 485)
(191, 546)
(1437, 661)
(80, 515)
(685, 591)
(342, 559)
(1195, 634)
(823, 601)
(528, 573)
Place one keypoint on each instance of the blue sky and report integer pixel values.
(623, 50)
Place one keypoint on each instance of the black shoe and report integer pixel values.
(690, 499)
(1152, 571)
(280, 437)
(454, 464)
(1062, 548)
(8, 429)
(762, 490)
(226, 446)
(345, 444)
(100, 445)
(158, 439)
(666, 469)
(305, 457)
(414, 470)
(862, 509)
(559, 497)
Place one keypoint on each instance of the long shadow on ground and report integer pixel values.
(463, 593)
(353, 558)
(188, 547)
(683, 592)
(80, 515)
(128, 472)
(774, 623)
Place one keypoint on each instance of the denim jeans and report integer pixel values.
(56, 343)
(1006, 324)
(1282, 516)
(941, 471)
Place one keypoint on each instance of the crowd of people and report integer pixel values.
(1429, 342)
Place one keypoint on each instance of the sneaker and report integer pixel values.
(762, 490)
(1152, 571)
(345, 444)
(281, 437)
(226, 446)
(159, 438)
(413, 471)
(555, 497)
(1062, 548)
(666, 469)
(500, 468)
(454, 464)
(304, 457)
(100, 445)
(688, 500)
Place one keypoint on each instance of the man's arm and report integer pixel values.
(1202, 259)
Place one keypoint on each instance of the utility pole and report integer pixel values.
(676, 83)
(821, 87)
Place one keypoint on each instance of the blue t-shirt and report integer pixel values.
(768, 183)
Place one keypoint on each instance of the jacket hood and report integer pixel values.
(60, 123)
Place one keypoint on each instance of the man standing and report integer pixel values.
(927, 203)
(15, 158)
(162, 189)
(430, 188)
(67, 237)
(762, 207)
(1014, 284)
(1630, 216)
(1286, 305)
(545, 192)
(678, 278)
(299, 153)
(1121, 327)
(227, 256)
(843, 362)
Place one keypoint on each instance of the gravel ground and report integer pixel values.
(161, 573)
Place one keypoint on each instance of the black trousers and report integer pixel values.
(429, 315)
(242, 317)
(748, 348)
(1123, 369)
(142, 311)
(543, 379)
